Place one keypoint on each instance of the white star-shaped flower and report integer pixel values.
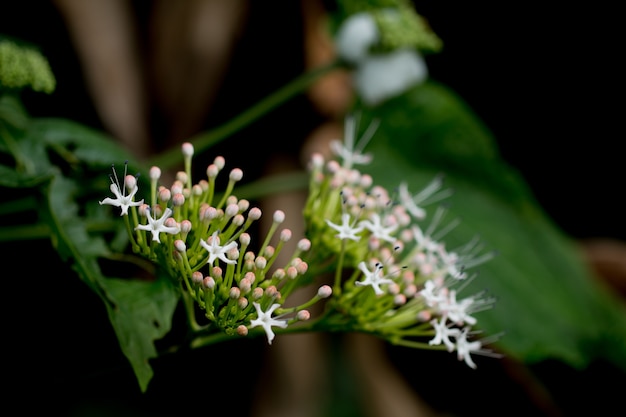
(346, 231)
(265, 320)
(458, 311)
(464, 348)
(121, 200)
(373, 278)
(433, 294)
(216, 251)
(443, 334)
(156, 227)
(380, 231)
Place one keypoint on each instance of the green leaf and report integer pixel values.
(13, 179)
(140, 312)
(87, 145)
(549, 303)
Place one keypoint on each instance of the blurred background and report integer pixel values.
(542, 76)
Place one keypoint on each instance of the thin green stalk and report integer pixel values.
(205, 140)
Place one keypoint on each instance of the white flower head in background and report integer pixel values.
(355, 37)
(383, 76)
(384, 46)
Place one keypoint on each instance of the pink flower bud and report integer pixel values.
(324, 291)
(187, 149)
(236, 174)
(254, 213)
(197, 278)
(304, 244)
(208, 283)
(130, 181)
(260, 262)
(178, 199)
(155, 173)
(219, 162)
(285, 235)
(244, 239)
(181, 176)
(212, 171)
(303, 315)
(243, 205)
(231, 210)
(180, 245)
(185, 226)
(279, 216)
(164, 195)
(234, 293)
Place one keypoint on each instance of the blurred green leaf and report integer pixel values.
(549, 303)
(86, 144)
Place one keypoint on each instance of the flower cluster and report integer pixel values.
(394, 276)
(386, 60)
(390, 273)
(203, 243)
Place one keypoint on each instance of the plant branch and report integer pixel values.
(207, 139)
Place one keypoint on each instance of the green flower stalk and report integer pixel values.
(392, 274)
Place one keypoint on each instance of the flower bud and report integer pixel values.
(197, 278)
(303, 315)
(324, 291)
(187, 149)
(208, 283)
(236, 174)
(180, 246)
(155, 173)
(279, 216)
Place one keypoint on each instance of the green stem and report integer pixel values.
(205, 140)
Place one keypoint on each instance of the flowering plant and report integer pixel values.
(392, 247)
(392, 277)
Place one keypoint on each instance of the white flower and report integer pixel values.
(265, 320)
(424, 242)
(345, 230)
(217, 251)
(382, 76)
(373, 278)
(377, 228)
(458, 311)
(158, 226)
(121, 200)
(347, 150)
(355, 36)
(412, 202)
(443, 334)
(464, 348)
(433, 294)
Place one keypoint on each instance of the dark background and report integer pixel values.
(541, 75)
